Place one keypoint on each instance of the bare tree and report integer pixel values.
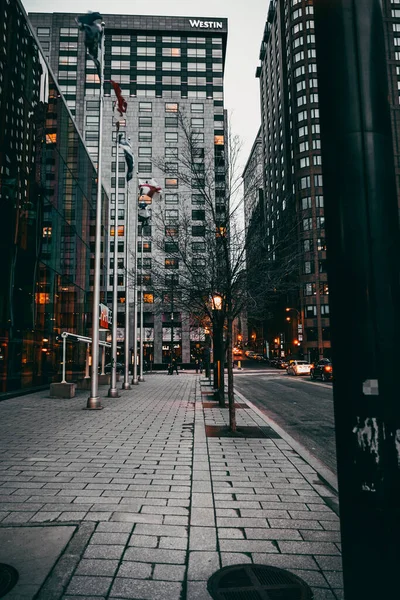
(204, 244)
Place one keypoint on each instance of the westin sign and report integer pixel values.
(205, 24)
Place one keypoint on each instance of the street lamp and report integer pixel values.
(217, 305)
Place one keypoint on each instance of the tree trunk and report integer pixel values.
(231, 395)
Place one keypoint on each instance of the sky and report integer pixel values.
(246, 22)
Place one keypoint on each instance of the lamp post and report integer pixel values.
(113, 392)
(93, 401)
(217, 306)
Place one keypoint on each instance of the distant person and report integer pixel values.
(174, 366)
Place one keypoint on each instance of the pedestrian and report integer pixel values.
(174, 366)
(197, 365)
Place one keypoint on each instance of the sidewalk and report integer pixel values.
(136, 501)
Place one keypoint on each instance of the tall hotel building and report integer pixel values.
(292, 169)
(163, 65)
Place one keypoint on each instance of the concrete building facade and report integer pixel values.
(165, 67)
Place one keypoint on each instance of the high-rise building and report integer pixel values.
(48, 205)
(292, 166)
(166, 67)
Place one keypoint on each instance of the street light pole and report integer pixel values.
(126, 384)
(113, 392)
(93, 401)
(141, 378)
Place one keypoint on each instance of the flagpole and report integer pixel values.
(135, 380)
(113, 392)
(93, 401)
(141, 378)
(126, 385)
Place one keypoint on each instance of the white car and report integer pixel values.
(299, 367)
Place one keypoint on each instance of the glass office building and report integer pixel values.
(48, 202)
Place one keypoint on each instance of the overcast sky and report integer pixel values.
(246, 20)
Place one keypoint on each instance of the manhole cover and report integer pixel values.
(257, 582)
(8, 578)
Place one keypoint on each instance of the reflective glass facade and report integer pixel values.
(48, 202)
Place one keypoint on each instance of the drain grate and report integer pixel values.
(257, 582)
(8, 578)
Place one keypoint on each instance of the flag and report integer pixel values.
(147, 189)
(129, 158)
(120, 105)
(93, 31)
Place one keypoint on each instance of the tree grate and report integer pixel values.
(8, 578)
(242, 431)
(257, 582)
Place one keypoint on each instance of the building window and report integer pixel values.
(145, 107)
(196, 122)
(198, 247)
(198, 199)
(307, 224)
(145, 136)
(145, 151)
(198, 215)
(319, 201)
(197, 108)
(320, 222)
(306, 202)
(318, 180)
(308, 267)
(146, 51)
(171, 107)
(171, 152)
(171, 263)
(45, 31)
(310, 311)
(305, 182)
(171, 183)
(198, 230)
(146, 246)
(309, 289)
(171, 121)
(171, 137)
(171, 51)
(144, 167)
(145, 121)
(325, 310)
(171, 199)
(120, 230)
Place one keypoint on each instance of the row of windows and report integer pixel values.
(151, 93)
(310, 310)
(305, 182)
(310, 289)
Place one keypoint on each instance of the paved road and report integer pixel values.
(303, 408)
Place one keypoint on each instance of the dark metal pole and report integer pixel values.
(362, 231)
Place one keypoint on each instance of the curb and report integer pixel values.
(323, 472)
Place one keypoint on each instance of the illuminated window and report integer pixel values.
(171, 182)
(171, 107)
(47, 232)
(51, 138)
(120, 229)
(219, 140)
(148, 298)
(171, 263)
(171, 51)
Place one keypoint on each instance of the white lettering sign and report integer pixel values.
(205, 24)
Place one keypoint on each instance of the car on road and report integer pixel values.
(298, 367)
(249, 353)
(322, 370)
(237, 351)
(120, 368)
(282, 363)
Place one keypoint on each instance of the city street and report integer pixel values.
(303, 408)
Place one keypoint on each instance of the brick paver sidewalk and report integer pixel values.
(157, 505)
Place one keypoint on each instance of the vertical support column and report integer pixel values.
(141, 378)
(64, 337)
(87, 360)
(363, 249)
(126, 384)
(93, 401)
(113, 392)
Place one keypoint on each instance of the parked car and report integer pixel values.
(260, 358)
(249, 353)
(298, 367)
(120, 368)
(237, 351)
(322, 370)
(282, 363)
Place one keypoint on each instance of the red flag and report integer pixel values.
(121, 102)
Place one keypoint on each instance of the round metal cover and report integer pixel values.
(257, 582)
(8, 578)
